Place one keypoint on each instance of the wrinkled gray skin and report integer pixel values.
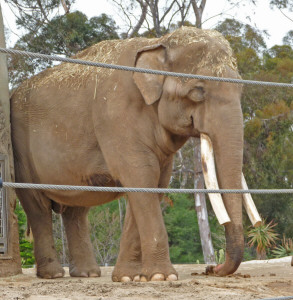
(123, 129)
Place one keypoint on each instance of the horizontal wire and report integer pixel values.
(141, 70)
(141, 190)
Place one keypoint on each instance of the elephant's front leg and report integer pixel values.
(156, 264)
(82, 262)
(128, 265)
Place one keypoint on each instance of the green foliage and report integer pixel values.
(33, 14)
(182, 228)
(262, 238)
(246, 42)
(281, 4)
(65, 35)
(242, 36)
(105, 231)
(26, 247)
(285, 249)
(288, 38)
(268, 161)
(220, 256)
(69, 34)
(217, 232)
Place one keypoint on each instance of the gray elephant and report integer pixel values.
(82, 125)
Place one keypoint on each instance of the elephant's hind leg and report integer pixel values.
(82, 262)
(128, 265)
(39, 214)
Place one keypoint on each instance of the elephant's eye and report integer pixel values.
(197, 94)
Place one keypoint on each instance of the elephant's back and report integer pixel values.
(76, 76)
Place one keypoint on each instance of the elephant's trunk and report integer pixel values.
(228, 148)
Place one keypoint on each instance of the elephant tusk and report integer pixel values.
(249, 205)
(210, 177)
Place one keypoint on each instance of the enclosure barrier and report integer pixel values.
(149, 71)
(138, 190)
(279, 298)
(3, 210)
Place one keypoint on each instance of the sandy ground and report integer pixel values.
(253, 280)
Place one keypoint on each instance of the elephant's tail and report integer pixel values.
(29, 234)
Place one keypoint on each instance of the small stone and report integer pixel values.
(175, 284)
(195, 282)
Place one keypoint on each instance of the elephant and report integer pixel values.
(80, 125)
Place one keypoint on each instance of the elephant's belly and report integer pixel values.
(88, 173)
(79, 165)
(79, 198)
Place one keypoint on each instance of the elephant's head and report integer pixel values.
(191, 107)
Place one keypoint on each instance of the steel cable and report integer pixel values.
(140, 190)
(140, 70)
(279, 298)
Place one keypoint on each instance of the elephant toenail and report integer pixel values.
(125, 279)
(158, 277)
(172, 277)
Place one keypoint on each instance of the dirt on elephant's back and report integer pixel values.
(252, 281)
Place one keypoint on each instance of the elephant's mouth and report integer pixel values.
(211, 182)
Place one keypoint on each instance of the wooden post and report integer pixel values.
(10, 262)
(201, 208)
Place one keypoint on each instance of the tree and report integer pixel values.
(158, 17)
(31, 15)
(198, 9)
(281, 4)
(66, 34)
(288, 38)
(246, 42)
(183, 232)
(105, 232)
(201, 208)
(25, 245)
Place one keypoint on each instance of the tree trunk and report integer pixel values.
(121, 218)
(10, 263)
(65, 7)
(201, 209)
(144, 9)
(63, 241)
(198, 11)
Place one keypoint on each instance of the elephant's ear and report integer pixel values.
(150, 86)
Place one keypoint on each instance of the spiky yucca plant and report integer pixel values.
(263, 238)
(285, 249)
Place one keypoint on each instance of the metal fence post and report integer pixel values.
(10, 263)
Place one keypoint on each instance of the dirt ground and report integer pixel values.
(253, 280)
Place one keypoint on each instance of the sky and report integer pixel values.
(260, 16)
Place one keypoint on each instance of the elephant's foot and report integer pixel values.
(160, 277)
(134, 272)
(158, 272)
(49, 269)
(127, 271)
(84, 270)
